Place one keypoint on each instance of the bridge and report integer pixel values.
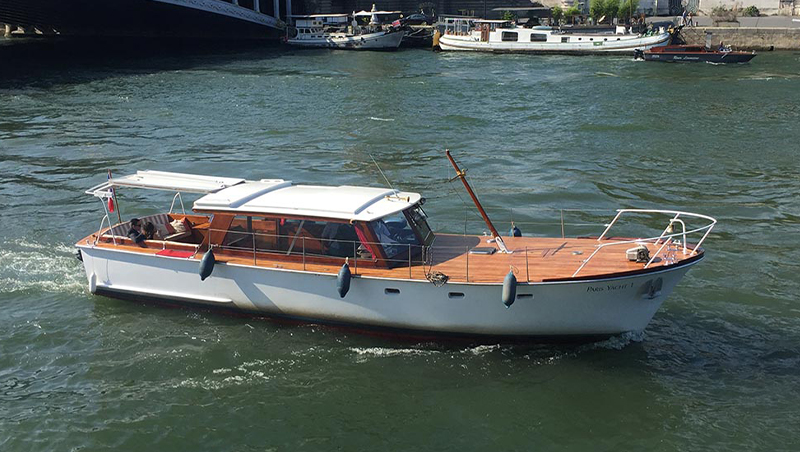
(250, 19)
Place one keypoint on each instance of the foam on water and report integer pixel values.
(373, 118)
(383, 352)
(617, 342)
(27, 266)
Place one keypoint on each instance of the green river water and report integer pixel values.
(717, 369)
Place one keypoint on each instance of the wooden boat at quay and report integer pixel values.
(694, 54)
(366, 257)
(502, 36)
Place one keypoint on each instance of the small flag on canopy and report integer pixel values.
(110, 195)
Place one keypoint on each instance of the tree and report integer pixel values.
(597, 9)
(557, 13)
(611, 9)
(627, 8)
(509, 16)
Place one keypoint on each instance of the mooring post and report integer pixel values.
(7, 33)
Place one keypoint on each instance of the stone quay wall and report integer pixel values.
(745, 38)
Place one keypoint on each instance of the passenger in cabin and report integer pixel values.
(135, 233)
(150, 232)
(338, 239)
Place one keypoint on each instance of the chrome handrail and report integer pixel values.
(664, 235)
(177, 196)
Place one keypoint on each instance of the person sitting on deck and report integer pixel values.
(150, 232)
(135, 233)
(722, 47)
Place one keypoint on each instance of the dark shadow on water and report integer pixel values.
(41, 63)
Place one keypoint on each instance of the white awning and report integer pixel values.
(279, 197)
(369, 13)
(317, 16)
(162, 180)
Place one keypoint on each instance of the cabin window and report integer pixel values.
(294, 237)
(395, 234)
(509, 36)
(538, 37)
(246, 233)
(565, 39)
(319, 238)
(419, 221)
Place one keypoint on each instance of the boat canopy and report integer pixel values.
(162, 180)
(316, 16)
(370, 13)
(279, 197)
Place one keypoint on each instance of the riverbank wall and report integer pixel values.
(746, 38)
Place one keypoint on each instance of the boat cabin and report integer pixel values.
(277, 220)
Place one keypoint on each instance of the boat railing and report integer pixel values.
(305, 249)
(666, 239)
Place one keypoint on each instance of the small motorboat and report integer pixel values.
(366, 257)
(694, 54)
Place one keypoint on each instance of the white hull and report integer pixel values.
(575, 308)
(600, 44)
(371, 41)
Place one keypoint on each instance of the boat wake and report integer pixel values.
(364, 354)
(40, 267)
(617, 342)
(374, 118)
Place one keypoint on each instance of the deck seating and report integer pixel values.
(161, 222)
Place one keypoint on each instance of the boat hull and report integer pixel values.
(612, 46)
(597, 307)
(371, 41)
(710, 57)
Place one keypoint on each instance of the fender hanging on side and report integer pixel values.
(509, 289)
(207, 264)
(343, 280)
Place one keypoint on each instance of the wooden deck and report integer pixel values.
(533, 259)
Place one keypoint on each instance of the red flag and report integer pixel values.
(110, 195)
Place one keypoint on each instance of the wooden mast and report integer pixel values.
(463, 176)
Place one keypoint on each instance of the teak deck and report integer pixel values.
(534, 259)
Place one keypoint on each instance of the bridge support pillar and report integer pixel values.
(256, 6)
(236, 2)
(277, 7)
(289, 12)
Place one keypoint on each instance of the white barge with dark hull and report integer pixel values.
(501, 36)
(366, 258)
